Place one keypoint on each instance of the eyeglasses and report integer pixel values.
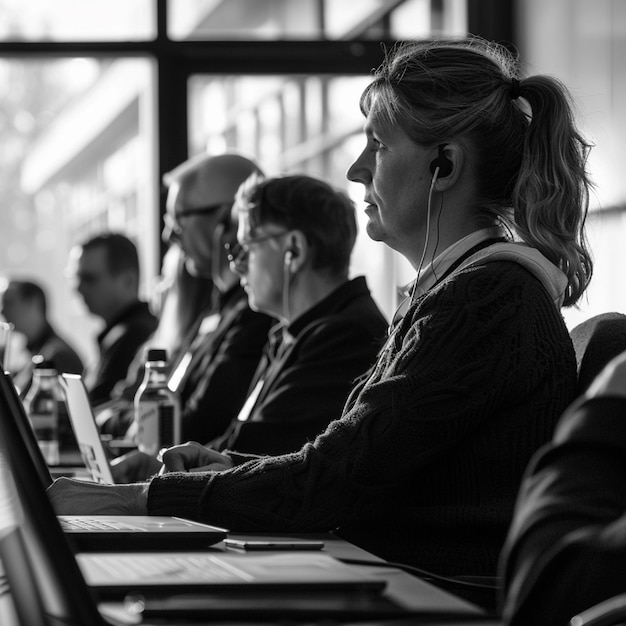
(238, 252)
(173, 222)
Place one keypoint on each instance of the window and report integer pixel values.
(102, 97)
(206, 20)
(77, 20)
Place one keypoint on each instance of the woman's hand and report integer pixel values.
(78, 497)
(193, 457)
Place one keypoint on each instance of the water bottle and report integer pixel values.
(42, 407)
(157, 407)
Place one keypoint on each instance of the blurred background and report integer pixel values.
(98, 98)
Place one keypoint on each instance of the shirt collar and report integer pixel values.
(440, 264)
(429, 276)
(334, 301)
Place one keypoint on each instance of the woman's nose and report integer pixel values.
(357, 172)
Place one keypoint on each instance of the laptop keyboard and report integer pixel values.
(89, 523)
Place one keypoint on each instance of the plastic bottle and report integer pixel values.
(157, 407)
(42, 407)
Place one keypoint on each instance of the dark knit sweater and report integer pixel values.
(425, 463)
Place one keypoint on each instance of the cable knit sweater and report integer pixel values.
(424, 464)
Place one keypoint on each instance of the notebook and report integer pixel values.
(117, 574)
(47, 578)
(106, 532)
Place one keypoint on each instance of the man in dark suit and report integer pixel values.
(106, 271)
(213, 367)
(25, 305)
(295, 239)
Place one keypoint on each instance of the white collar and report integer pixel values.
(440, 264)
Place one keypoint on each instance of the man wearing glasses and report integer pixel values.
(294, 242)
(213, 367)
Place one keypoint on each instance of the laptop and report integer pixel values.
(47, 578)
(83, 422)
(106, 532)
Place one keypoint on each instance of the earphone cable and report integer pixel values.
(286, 285)
(438, 234)
(430, 197)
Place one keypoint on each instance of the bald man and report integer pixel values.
(200, 194)
(213, 370)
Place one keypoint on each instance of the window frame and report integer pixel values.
(177, 61)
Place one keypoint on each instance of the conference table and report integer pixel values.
(405, 599)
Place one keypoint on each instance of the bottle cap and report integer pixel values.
(156, 354)
(41, 363)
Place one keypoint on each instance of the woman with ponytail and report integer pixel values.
(477, 176)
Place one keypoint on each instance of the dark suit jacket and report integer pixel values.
(220, 368)
(212, 372)
(118, 344)
(566, 549)
(307, 372)
(53, 348)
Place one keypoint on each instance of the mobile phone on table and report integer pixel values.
(291, 544)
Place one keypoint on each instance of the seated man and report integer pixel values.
(566, 549)
(213, 367)
(296, 236)
(106, 269)
(24, 304)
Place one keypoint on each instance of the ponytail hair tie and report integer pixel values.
(515, 89)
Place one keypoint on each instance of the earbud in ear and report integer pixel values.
(290, 253)
(442, 162)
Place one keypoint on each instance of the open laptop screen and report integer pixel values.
(15, 408)
(83, 422)
(41, 569)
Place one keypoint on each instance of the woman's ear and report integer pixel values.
(447, 165)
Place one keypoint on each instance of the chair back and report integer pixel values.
(596, 341)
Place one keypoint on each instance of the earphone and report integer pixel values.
(290, 254)
(442, 162)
